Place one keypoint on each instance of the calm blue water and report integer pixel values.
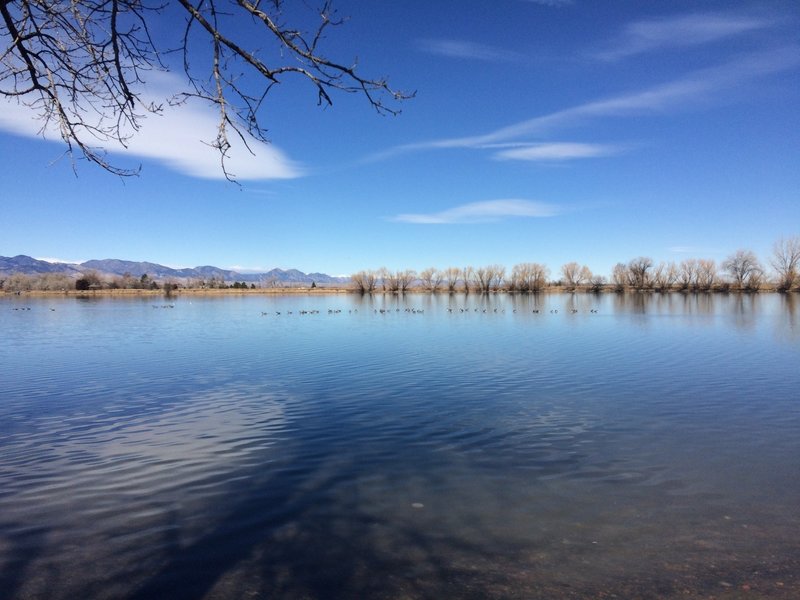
(421, 446)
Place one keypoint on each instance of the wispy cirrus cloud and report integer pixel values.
(694, 89)
(557, 151)
(482, 212)
(177, 138)
(461, 49)
(691, 250)
(553, 3)
(680, 31)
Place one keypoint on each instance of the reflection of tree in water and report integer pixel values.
(790, 307)
(745, 310)
(635, 302)
(489, 302)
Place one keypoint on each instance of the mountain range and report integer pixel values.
(112, 267)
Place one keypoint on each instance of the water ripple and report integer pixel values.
(215, 451)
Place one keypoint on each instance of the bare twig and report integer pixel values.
(80, 66)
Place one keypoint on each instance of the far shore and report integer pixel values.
(189, 292)
(322, 291)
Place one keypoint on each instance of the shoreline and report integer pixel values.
(330, 291)
(184, 292)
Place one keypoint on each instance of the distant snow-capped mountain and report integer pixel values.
(115, 267)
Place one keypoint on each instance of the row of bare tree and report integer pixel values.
(89, 280)
(741, 271)
(524, 277)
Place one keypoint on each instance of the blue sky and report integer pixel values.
(542, 131)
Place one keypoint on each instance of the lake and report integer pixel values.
(436, 446)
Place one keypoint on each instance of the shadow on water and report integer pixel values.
(315, 534)
(300, 552)
(307, 540)
(23, 548)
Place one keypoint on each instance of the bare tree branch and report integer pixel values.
(80, 66)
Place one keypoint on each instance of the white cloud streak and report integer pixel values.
(691, 250)
(682, 31)
(467, 50)
(553, 3)
(557, 151)
(482, 212)
(177, 138)
(680, 94)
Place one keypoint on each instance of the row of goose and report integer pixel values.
(331, 311)
(419, 311)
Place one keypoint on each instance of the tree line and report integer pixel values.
(741, 271)
(91, 280)
(87, 281)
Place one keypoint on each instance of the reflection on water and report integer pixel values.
(568, 445)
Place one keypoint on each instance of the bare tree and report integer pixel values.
(467, 275)
(482, 277)
(81, 65)
(383, 276)
(786, 262)
(597, 282)
(516, 283)
(755, 280)
(489, 278)
(431, 279)
(619, 277)
(529, 277)
(539, 275)
(687, 274)
(391, 280)
(404, 279)
(18, 282)
(744, 269)
(585, 275)
(638, 277)
(664, 276)
(706, 274)
(364, 281)
(498, 277)
(371, 278)
(570, 272)
(55, 282)
(575, 275)
(451, 275)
